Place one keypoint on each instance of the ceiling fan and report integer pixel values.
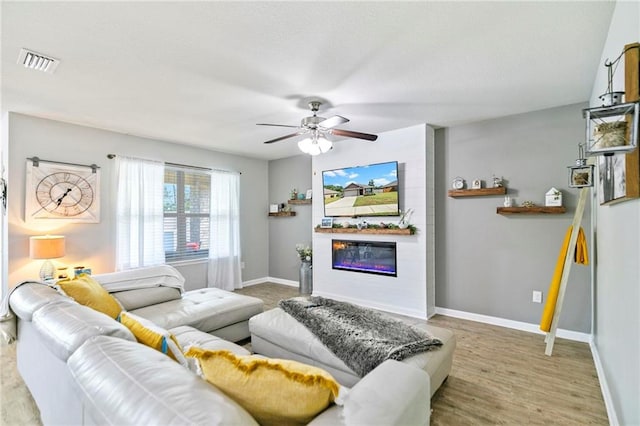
(317, 127)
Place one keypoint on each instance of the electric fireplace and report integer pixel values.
(373, 257)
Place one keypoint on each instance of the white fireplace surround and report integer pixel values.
(412, 291)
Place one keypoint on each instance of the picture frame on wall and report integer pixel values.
(326, 222)
(580, 177)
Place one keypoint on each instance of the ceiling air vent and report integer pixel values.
(37, 61)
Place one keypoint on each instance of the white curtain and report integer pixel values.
(139, 227)
(224, 243)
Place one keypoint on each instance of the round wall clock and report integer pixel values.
(458, 183)
(63, 192)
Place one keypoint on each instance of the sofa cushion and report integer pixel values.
(29, 297)
(139, 298)
(64, 327)
(206, 309)
(87, 291)
(189, 336)
(125, 383)
(153, 336)
(274, 391)
(145, 277)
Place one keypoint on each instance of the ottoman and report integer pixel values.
(276, 334)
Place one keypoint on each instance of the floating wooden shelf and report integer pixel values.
(406, 231)
(282, 214)
(456, 193)
(531, 210)
(305, 201)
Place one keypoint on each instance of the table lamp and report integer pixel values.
(46, 247)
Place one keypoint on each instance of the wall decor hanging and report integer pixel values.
(58, 191)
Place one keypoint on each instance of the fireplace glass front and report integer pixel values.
(373, 257)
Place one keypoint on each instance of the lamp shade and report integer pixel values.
(46, 247)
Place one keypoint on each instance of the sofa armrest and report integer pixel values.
(126, 383)
(64, 326)
(393, 393)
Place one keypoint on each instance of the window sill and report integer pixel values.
(187, 262)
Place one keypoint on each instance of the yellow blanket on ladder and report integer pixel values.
(581, 256)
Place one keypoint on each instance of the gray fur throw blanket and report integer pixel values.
(362, 338)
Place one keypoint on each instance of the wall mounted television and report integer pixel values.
(370, 190)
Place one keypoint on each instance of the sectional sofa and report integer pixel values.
(83, 367)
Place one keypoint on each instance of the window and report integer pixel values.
(187, 203)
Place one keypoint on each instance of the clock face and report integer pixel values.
(458, 183)
(63, 192)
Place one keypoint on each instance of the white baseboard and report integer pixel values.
(270, 280)
(604, 386)
(368, 304)
(517, 325)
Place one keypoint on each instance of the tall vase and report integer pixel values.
(306, 277)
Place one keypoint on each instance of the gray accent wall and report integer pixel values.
(490, 264)
(617, 285)
(93, 245)
(285, 232)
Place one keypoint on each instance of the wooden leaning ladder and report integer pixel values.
(568, 261)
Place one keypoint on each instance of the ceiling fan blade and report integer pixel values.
(285, 137)
(277, 125)
(350, 134)
(334, 121)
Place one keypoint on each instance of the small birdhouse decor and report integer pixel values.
(553, 198)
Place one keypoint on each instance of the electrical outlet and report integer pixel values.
(537, 297)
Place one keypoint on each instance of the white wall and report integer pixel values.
(93, 245)
(406, 293)
(617, 284)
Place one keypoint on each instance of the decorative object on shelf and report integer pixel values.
(61, 273)
(78, 270)
(581, 174)
(326, 222)
(294, 194)
(362, 224)
(301, 196)
(458, 183)
(47, 247)
(497, 181)
(508, 201)
(528, 204)
(62, 191)
(403, 223)
(476, 184)
(309, 194)
(553, 198)
(273, 208)
(305, 253)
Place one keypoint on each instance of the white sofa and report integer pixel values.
(83, 367)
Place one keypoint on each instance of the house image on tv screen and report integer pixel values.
(361, 191)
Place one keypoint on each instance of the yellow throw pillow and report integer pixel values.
(87, 291)
(149, 334)
(273, 391)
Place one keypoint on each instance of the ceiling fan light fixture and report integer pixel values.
(305, 145)
(324, 144)
(315, 149)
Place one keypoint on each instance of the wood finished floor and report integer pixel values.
(499, 376)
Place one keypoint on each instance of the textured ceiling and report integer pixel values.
(204, 73)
